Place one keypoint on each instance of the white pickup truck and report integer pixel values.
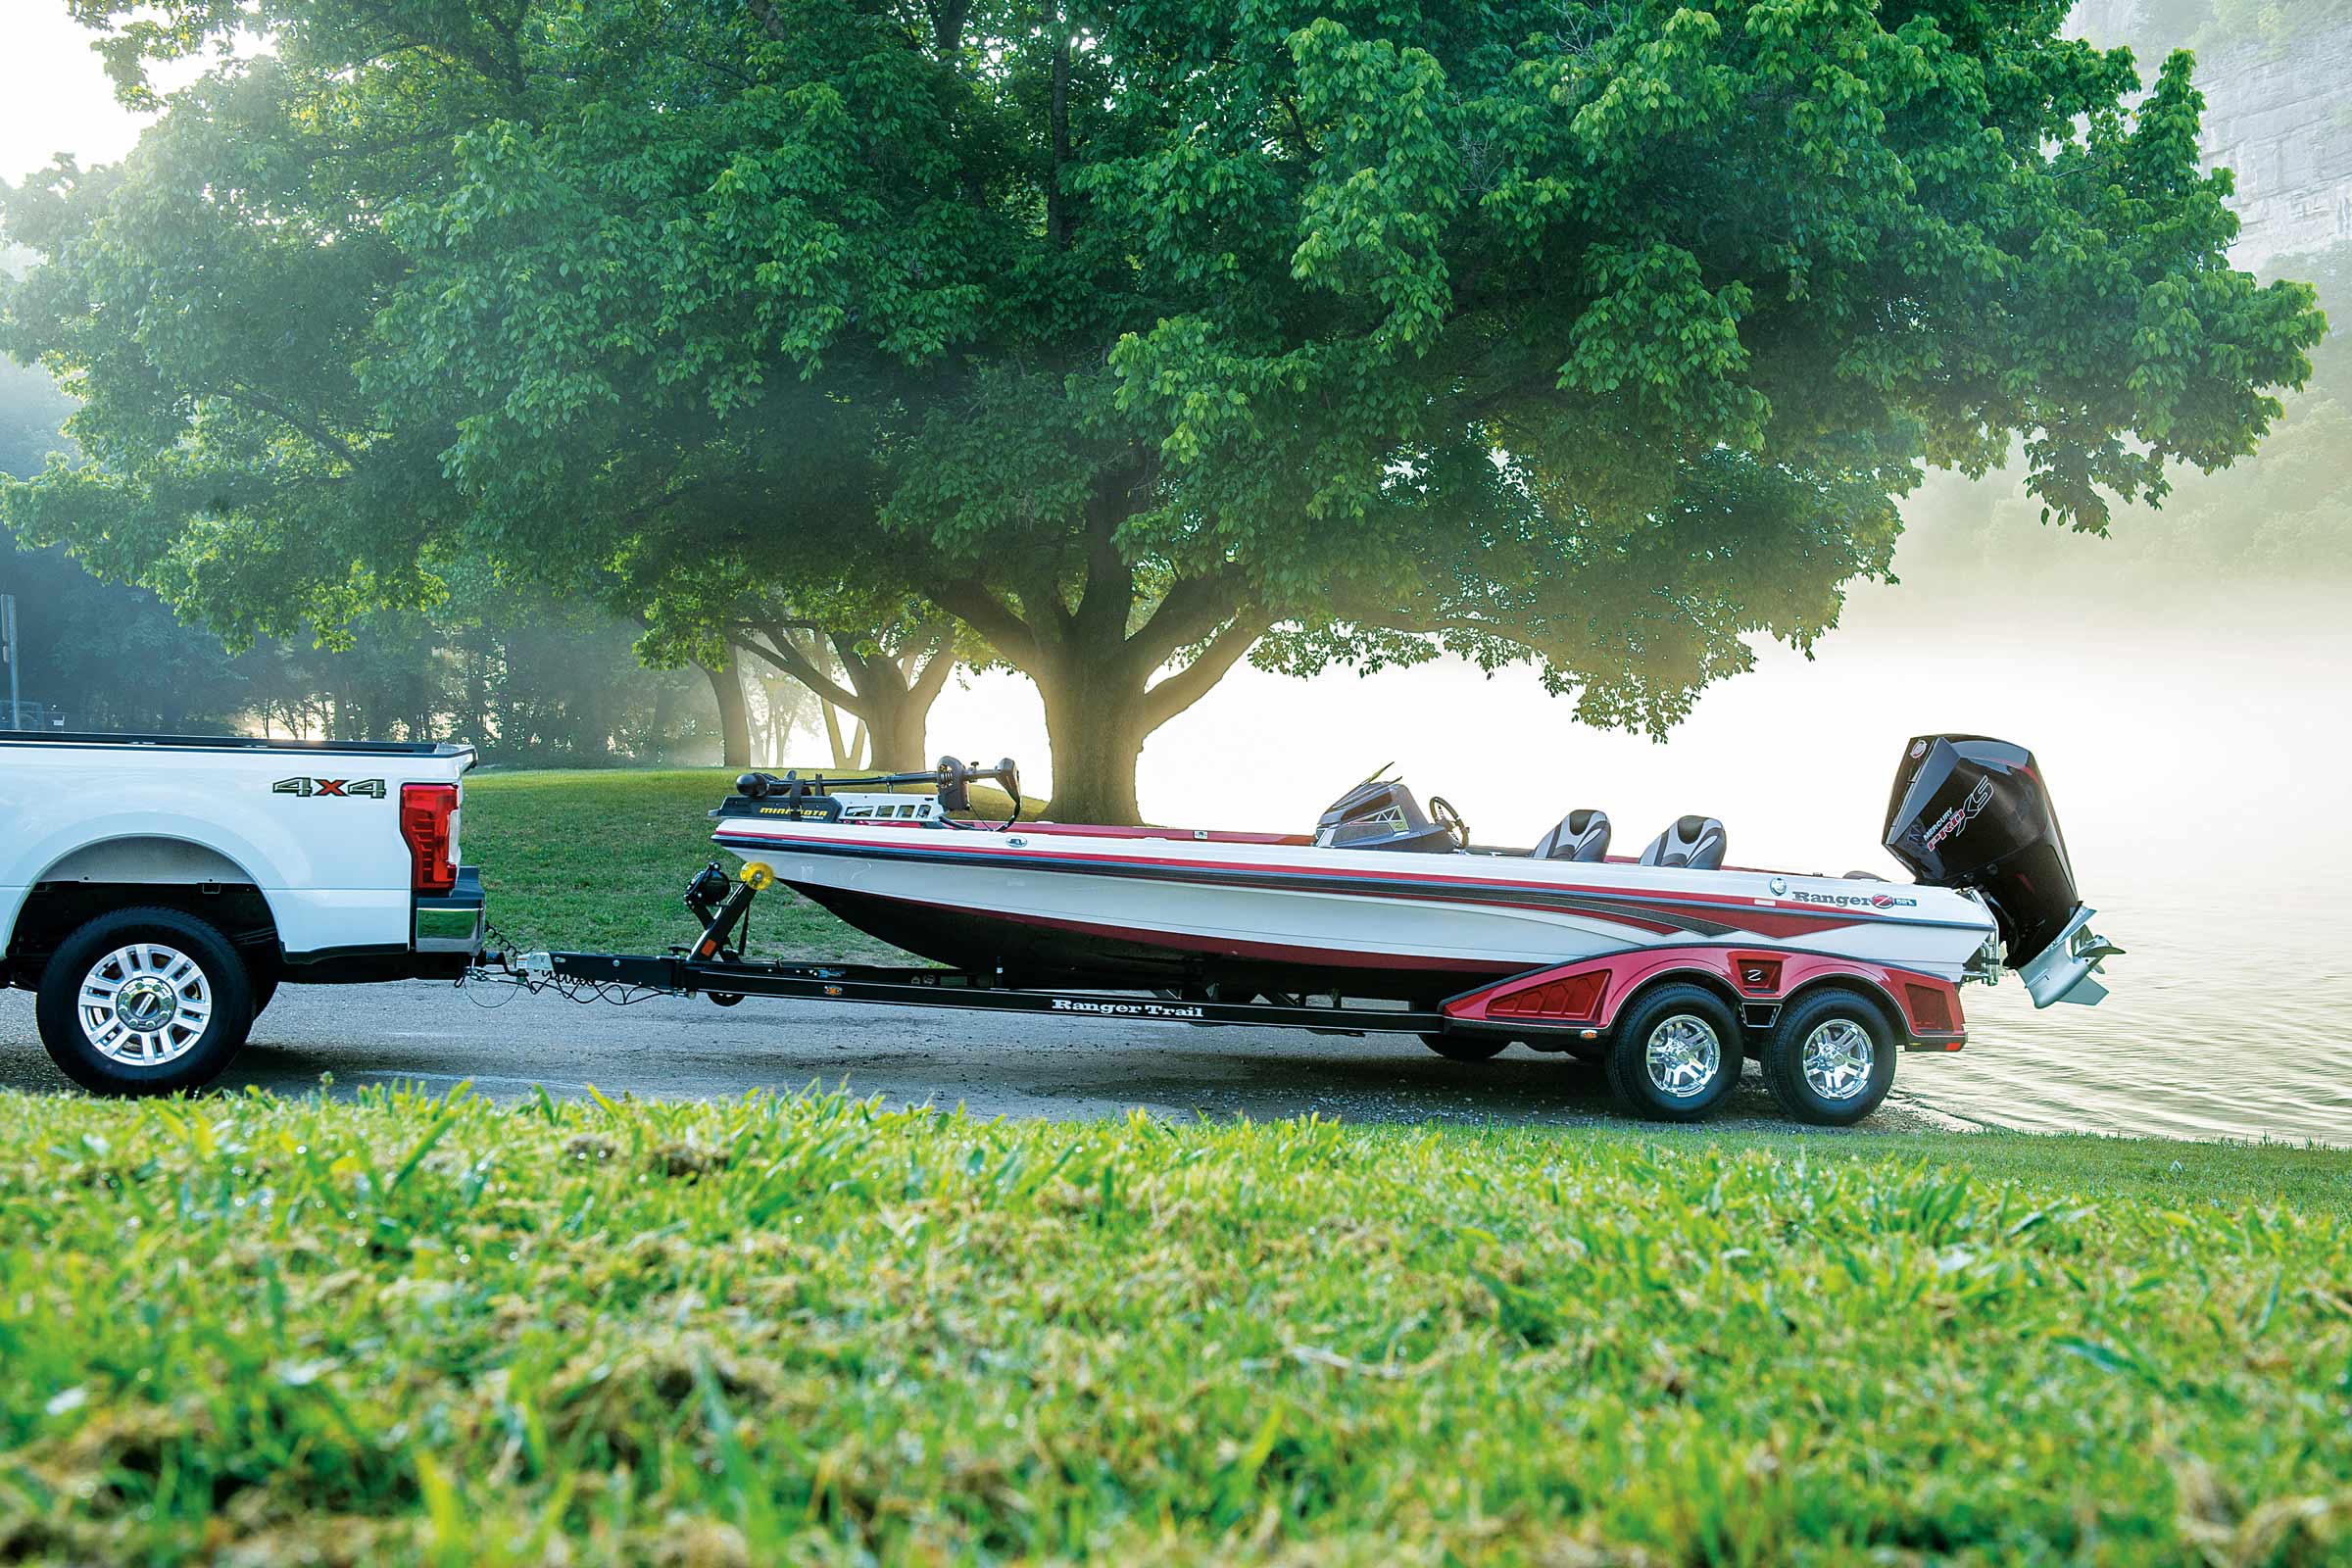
(156, 889)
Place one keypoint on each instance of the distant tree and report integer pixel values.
(2280, 516)
(1140, 337)
(32, 419)
(107, 657)
(545, 684)
(2153, 29)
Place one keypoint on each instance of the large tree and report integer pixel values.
(1143, 338)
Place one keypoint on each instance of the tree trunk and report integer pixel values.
(734, 714)
(895, 725)
(1095, 668)
(841, 754)
(1096, 734)
(890, 695)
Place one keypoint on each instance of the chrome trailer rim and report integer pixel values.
(1837, 1059)
(145, 1005)
(1683, 1056)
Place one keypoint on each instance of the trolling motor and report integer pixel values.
(817, 797)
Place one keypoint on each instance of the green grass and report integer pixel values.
(263, 1331)
(595, 862)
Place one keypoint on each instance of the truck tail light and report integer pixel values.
(428, 817)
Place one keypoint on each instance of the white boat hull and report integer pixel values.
(1068, 906)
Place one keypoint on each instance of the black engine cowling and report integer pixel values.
(1970, 812)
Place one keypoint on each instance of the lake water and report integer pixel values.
(2226, 1018)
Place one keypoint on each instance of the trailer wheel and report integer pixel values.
(1675, 1053)
(1465, 1048)
(1829, 1059)
(144, 1001)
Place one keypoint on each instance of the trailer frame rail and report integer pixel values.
(728, 980)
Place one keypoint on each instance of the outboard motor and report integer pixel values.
(1968, 812)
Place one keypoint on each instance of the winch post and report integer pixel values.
(722, 912)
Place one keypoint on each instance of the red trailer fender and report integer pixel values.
(1583, 998)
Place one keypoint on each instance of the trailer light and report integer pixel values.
(429, 821)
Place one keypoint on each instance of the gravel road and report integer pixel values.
(675, 1048)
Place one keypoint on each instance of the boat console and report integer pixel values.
(1381, 814)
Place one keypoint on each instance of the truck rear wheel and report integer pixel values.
(261, 981)
(144, 1001)
(1830, 1057)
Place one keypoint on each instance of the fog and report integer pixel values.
(2173, 735)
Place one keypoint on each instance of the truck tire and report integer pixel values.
(1830, 1057)
(263, 983)
(1675, 1053)
(144, 1001)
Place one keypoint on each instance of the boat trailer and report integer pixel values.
(1563, 1009)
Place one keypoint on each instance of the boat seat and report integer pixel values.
(1581, 835)
(1692, 844)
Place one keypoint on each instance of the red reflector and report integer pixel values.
(1930, 1009)
(429, 816)
(1578, 997)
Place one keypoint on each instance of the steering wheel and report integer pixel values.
(1442, 812)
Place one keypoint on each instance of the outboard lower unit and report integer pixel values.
(1968, 812)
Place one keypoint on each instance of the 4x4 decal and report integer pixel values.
(374, 788)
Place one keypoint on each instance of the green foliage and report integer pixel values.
(411, 1330)
(2281, 516)
(1604, 336)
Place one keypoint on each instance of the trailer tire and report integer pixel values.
(157, 966)
(1466, 1047)
(1675, 1053)
(1830, 1059)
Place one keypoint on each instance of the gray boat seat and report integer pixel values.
(1581, 835)
(1694, 842)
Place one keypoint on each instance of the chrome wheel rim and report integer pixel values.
(1837, 1059)
(145, 1005)
(1683, 1056)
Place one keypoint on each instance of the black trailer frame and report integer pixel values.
(728, 981)
(716, 966)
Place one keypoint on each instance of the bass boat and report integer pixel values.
(1388, 900)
